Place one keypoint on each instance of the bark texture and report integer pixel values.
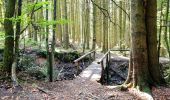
(9, 36)
(144, 66)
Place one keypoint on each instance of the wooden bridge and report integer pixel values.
(95, 70)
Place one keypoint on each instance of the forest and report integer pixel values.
(84, 49)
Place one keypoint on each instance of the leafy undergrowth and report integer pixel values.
(33, 64)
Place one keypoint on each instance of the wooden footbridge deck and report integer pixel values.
(93, 72)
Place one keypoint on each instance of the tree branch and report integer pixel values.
(32, 13)
(105, 13)
(121, 9)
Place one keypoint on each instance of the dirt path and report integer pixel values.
(81, 89)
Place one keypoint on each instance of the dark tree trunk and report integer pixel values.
(151, 29)
(144, 68)
(9, 36)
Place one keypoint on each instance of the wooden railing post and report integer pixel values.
(50, 68)
(107, 67)
(94, 55)
(102, 76)
(77, 67)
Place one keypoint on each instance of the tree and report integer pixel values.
(9, 36)
(66, 32)
(166, 28)
(16, 45)
(151, 29)
(105, 27)
(144, 67)
(94, 26)
(87, 24)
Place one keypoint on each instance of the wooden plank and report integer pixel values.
(93, 72)
(120, 50)
(105, 55)
(83, 56)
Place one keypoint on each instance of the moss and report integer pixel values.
(62, 56)
(146, 89)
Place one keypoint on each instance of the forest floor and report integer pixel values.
(76, 89)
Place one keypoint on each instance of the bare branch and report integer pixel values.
(105, 13)
(121, 9)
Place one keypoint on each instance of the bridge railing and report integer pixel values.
(105, 63)
(91, 54)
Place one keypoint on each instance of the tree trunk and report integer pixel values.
(143, 31)
(9, 36)
(66, 34)
(120, 24)
(94, 26)
(166, 28)
(139, 45)
(105, 27)
(16, 50)
(151, 29)
(87, 24)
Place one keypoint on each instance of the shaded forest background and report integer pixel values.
(82, 24)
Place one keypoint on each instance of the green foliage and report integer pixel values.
(146, 89)
(43, 69)
(44, 23)
(62, 56)
(31, 42)
(28, 65)
(167, 77)
(26, 62)
(33, 6)
(1, 65)
(2, 36)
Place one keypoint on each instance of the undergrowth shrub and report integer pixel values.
(28, 64)
(167, 73)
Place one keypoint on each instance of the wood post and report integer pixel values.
(50, 68)
(102, 76)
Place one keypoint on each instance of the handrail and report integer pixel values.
(119, 49)
(101, 62)
(105, 55)
(83, 56)
(76, 62)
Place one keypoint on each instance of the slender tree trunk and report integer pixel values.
(160, 30)
(120, 24)
(94, 26)
(16, 45)
(52, 49)
(87, 24)
(115, 29)
(166, 28)
(66, 32)
(47, 39)
(105, 28)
